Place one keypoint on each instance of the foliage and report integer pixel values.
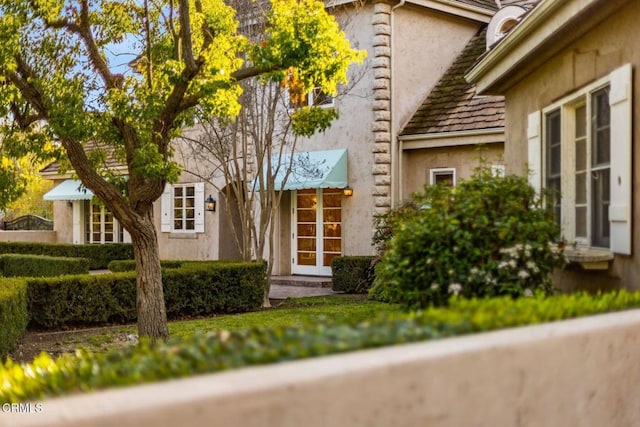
(63, 89)
(225, 350)
(489, 236)
(12, 265)
(31, 202)
(118, 266)
(195, 289)
(352, 274)
(99, 256)
(13, 313)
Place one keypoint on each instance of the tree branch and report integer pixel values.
(185, 37)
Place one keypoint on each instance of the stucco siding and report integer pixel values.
(596, 53)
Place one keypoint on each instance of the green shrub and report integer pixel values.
(13, 313)
(489, 236)
(192, 290)
(118, 266)
(352, 274)
(99, 256)
(225, 350)
(13, 265)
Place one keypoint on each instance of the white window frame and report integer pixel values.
(311, 99)
(442, 171)
(619, 82)
(167, 202)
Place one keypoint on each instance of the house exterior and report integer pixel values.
(569, 74)
(399, 127)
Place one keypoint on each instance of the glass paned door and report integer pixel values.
(317, 230)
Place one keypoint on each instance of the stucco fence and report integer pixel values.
(583, 372)
(36, 236)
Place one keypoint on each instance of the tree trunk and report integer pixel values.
(152, 314)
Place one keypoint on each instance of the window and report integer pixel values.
(316, 98)
(100, 224)
(585, 156)
(443, 176)
(182, 208)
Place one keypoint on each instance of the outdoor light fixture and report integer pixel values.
(347, 191)
(210, 204)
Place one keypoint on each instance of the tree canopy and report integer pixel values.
(66, 87)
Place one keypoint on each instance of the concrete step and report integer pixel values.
(304, 281)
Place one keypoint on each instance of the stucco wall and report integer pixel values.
(595, 54)
(581, 372)
(38, 236)
(464, 159)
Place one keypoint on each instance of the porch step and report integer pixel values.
(305, 281)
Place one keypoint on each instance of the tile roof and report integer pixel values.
(453, 105)
(484, 4)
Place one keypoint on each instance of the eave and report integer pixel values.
(549, 27)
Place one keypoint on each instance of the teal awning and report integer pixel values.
(70, 189)
(311, 169)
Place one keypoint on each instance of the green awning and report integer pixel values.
(311, 169)
(70, 189)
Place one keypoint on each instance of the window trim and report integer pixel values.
(620, 82)
(442, 171)
(167, 203)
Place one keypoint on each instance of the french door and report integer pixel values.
(317, 230)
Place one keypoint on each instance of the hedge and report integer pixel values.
(13, 313)
(12, 265)
(99, 256)
(195, 289)
(352, 274)
(225, 350)
(118, 266)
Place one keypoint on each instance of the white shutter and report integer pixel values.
(534, 141)
(77, 215)
(166, 206)
(621, 133)
(199, 207)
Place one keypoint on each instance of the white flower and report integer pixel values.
(513, 263)
(455, 288)
(451, 272)
(473, 271)
(434, 286)
(503, 264)
(531, 265)
(429, 261)
(523, 274)
(528, 293)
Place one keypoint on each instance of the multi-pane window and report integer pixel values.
(184, 211)
(316, 98)
(577, 166)
(100, 224)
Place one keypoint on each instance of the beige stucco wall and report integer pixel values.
(581, 372)
(38, 236)
(63, 221)
(425, 44)
(595, 54)
(464, 159)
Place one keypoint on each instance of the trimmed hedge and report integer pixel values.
(195, 289)
(225, 350)
(118, 266)
(12, 265)
(13, 314)
(99, 256)
(352, 274)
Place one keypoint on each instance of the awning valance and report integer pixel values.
(311, 169)
(70, 189)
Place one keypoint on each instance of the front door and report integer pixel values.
(317, 230)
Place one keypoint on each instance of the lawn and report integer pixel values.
(293, 311)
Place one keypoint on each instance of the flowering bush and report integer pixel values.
(489, 236)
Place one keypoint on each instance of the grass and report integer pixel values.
(348, 309)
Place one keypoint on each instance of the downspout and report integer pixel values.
(395, 154)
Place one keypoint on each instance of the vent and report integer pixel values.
(502, 22)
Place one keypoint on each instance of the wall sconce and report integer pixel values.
(210, 204)
(347, 191)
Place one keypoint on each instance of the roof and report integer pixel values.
(485, 4)
(110, 162)
(452, 105)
